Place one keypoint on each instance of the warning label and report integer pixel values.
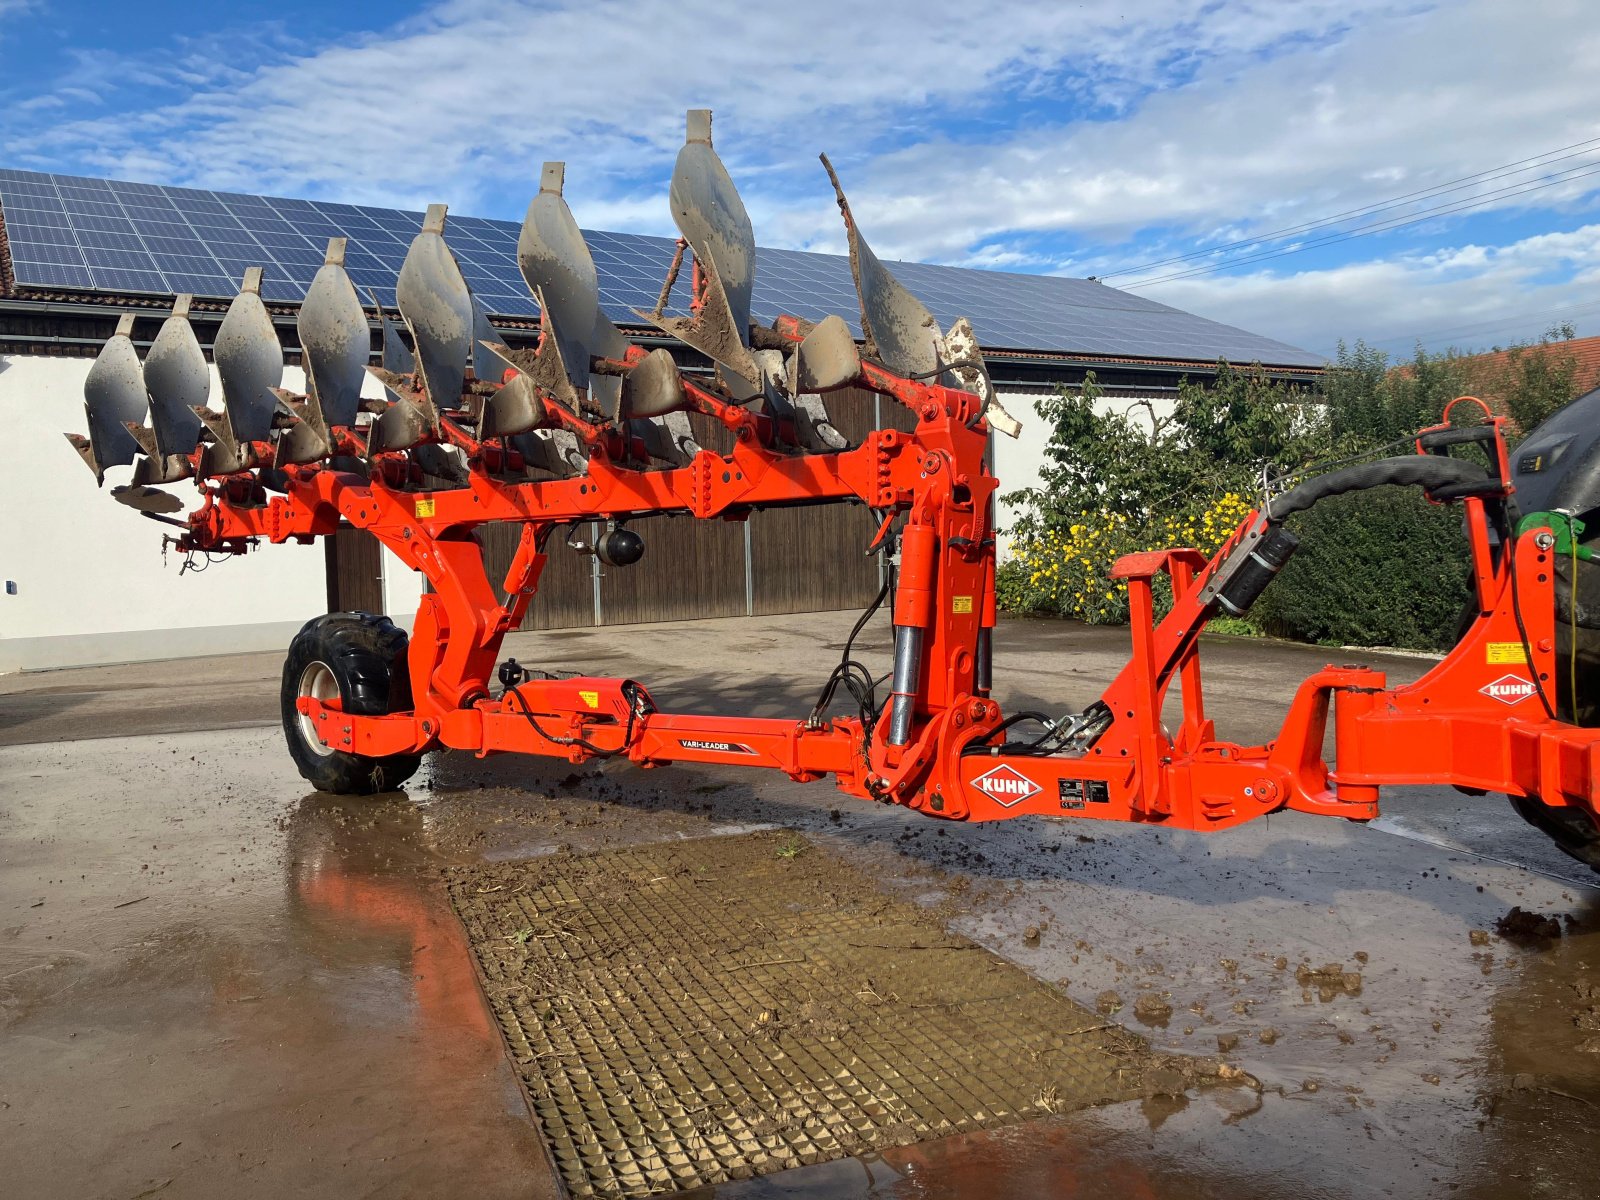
(1505, 652)
(424, 506)
(960, 604)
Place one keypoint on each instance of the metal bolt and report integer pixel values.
(1544, 540)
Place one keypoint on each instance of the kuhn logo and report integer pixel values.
(1006, 786)
(1509, 689)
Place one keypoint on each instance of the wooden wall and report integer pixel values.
(354, 570)
(690, 569)
(566, 586)
(812, 559)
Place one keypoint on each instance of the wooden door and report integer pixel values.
(355, 571)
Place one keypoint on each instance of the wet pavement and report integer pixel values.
(213, 983)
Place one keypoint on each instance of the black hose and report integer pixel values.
(1027, 714)
(855, 677)
(1522, 631)
(528, 716)
(987, 744)
(1433, 472)
(629, 690)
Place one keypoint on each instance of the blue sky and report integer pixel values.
(1090, 138)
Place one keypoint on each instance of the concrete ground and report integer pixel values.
(212, 982)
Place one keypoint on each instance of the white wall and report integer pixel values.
(91, 585)
(1018, 461)
(402, 590)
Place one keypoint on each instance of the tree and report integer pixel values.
(1371, 402)
(1532, 379)
(1118, 482)
(1143, 465)
(1246, 422)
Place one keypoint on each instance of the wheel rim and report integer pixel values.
(316, 682)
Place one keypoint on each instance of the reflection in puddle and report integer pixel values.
(359, 897)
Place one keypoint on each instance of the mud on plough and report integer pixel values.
(587, 426)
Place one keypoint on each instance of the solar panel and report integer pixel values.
(109, 236)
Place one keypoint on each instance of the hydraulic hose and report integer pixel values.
(1256, 561)
(1444, 479)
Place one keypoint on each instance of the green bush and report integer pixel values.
(1066, 570)
(1114, 484)
(1377, 568)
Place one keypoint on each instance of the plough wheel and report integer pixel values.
(359, 659)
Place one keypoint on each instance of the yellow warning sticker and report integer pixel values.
(961, 604)
(1506, 652)
(592, 699)
(424, 506)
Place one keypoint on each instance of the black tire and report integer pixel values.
(1570, 828)
(364, 657)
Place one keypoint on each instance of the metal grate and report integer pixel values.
(687, 1013)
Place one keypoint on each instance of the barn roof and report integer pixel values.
(108, 239)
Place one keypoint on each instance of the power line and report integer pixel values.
(1489, 326)
(1379, 227)
(1450, 185)
(1544, 181)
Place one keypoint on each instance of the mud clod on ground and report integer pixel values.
(1519, 925)
(1153, 1009)
(1330, 980)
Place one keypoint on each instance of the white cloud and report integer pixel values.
(1037, 136)
(474, 93)
(1469, 296)
(1395, 105)
(10, 10)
